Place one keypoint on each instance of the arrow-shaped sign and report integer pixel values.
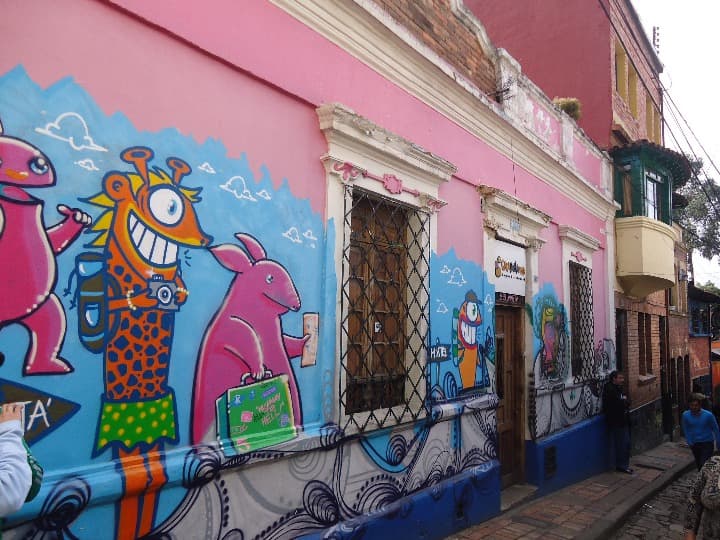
(43, 412)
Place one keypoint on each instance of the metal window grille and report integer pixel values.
(648, 344)
(582, 323)
(385, 304)
(621, 338)
(645, 352)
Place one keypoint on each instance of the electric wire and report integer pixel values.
(652, 98)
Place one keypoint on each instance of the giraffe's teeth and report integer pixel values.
(137, 233)
(146, 244)
(158, 253)
(154, 248)
(171, 253)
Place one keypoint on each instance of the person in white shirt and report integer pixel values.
(15, 474)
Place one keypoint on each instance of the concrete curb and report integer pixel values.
(614, 519)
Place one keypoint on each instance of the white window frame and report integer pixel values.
(578, 247)
(508, 218)
(365, 155)
(652, 182)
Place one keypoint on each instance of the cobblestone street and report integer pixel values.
(662, 516)
(593, 508)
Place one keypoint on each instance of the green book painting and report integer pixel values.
(255, 416)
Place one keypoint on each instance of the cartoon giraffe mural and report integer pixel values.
(28, 271)
(148, 217)
(468, 351)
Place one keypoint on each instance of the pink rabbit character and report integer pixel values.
(245, 338)
(27, 250)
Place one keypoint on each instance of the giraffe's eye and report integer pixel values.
(39, 165)
(166, 206)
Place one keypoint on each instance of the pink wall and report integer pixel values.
(588, 164)
(185, 85)
(546, 125)
(127, 66)
(564, 47)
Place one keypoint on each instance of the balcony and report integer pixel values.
(645, 255)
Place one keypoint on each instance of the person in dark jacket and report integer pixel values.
(616, 406)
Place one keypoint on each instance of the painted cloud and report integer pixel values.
(71, 128)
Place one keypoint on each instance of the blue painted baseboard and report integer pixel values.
(468, 498)
(566, 457)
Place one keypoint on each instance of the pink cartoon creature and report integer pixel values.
(245, 338)
(27, 254)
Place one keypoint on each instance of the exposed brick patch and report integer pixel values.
(436, 26)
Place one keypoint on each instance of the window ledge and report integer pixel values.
(646, 379)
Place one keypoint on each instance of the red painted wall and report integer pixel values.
(564, 47)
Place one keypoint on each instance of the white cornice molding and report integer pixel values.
(501, 209)
(355, 140)
(394, 53)
(580, 238)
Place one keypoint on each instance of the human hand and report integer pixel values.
(690, 535)
(10, 411)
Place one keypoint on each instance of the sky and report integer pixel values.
(688, 46)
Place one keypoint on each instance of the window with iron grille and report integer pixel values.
(621, 338)
(582, 325)
(645, 343)
(385, 298)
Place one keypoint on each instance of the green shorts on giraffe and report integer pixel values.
(131, 424)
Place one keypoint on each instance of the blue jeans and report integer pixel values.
(621, 441)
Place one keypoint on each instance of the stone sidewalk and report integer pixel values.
(592, 509)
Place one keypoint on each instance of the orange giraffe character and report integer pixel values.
(148, 218)
(469, 349)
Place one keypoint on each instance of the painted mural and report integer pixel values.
(28, 250)
(114, 313)
(557, 397)
(463, 362)
(192, 332)
(245, 342)
(147, 217)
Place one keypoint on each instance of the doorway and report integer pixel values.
(509, 372)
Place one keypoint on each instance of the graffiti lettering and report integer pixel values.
(509, 269)
(438, 353)
(270, 405)
(509, 299)
(39, 410)
(42, 412)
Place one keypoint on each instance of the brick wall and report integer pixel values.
(434, 23)
(640, 56)
(642, 389)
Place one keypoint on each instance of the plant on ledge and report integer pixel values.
(570, 106)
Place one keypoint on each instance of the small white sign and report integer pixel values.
(508, 274)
